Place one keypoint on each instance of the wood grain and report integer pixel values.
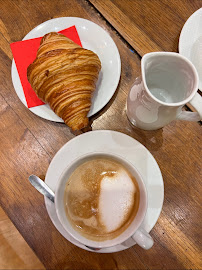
(28, 143)
(149, 25)
(11, 242)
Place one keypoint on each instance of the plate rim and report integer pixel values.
(184, 25)
(183, 32)
(49, 205)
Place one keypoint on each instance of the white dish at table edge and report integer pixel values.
(189, 35)
(124, 146)
(92, 37)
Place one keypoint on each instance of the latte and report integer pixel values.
(101, 199)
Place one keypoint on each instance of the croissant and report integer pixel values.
(64, 75)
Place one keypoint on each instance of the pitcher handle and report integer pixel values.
(196, 102)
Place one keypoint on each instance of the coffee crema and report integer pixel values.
(101, 199)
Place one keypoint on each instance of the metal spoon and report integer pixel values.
(95, 249)
(41, 186)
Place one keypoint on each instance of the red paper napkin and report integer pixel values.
(24, 53)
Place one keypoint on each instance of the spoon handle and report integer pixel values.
(41, 186)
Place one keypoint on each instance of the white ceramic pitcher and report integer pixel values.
(168, 82)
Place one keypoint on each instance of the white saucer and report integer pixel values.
(124, 146)
(92, 37)
(190, 38)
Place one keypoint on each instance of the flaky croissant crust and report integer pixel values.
(64, 75)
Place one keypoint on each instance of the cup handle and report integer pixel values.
(143, 239)
(196, 102)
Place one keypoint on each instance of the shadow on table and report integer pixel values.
(151, 139)
(89, 260)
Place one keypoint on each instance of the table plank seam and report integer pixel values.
(131, 48)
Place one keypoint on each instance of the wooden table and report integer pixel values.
(28, 142)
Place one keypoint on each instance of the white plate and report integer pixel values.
(124, 146)
(92, 37)
(190, 38)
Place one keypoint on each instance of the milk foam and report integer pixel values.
(116, 199)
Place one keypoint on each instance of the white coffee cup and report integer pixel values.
(168, 81)
(134, 230)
